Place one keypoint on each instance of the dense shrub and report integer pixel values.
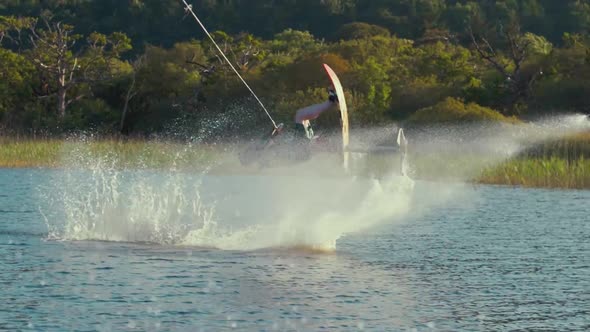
(453, 110)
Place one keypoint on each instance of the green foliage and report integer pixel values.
(293, 43)
(451, 64)
(460, 15)
(398, 60)
(537, 45)
(452, 110)
(11, 29)
(65, 67)
(166, 73)
(309, 72)
(374, 82)
(574, 40)
(361, 30)
(158, 22)
(394, 58)
(93, 114)
(16, 74)
(566, 81)
(581, 13)
(417, 93)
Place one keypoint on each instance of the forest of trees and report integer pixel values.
(141, 66)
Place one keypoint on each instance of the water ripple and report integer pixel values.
(507, 260)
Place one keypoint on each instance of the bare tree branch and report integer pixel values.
(490, 55)
(75, 99)
(73, 69)
(519, 84)
(52, 54)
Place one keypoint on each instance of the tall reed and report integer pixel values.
(552, 172)
(561, 163)
(122, 153)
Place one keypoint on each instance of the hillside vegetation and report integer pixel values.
(144, 67)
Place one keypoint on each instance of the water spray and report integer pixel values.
(189, 8)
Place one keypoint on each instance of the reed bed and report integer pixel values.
(117, 153)
(553, 164)
(561, 163)
(571, 148)
(29, 153)
(552, 172)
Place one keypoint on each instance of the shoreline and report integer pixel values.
(545, 172)
(476, 182)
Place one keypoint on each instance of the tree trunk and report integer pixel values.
(61, 102)
(61, 96)
(130, 95)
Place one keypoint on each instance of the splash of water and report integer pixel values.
(94, 198)
(279, 211)
(462, 152)
(311, 205)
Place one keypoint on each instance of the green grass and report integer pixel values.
(541, 172)
(551, 172)
(118, 153)
(557, 164)
(561, 163)
(29, 153)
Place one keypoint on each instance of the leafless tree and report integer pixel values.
(65, 66)
(52, 54)
(519, 82)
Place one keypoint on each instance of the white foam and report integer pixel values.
(94, 200)
(310, 205)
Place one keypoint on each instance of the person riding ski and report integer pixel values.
(295, 143)
(305, 115)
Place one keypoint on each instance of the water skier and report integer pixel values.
(299, 138)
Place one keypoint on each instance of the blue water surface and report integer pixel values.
(488, 259)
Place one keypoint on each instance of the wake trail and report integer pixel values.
(94, 200)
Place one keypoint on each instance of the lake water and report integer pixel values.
(442, 257)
